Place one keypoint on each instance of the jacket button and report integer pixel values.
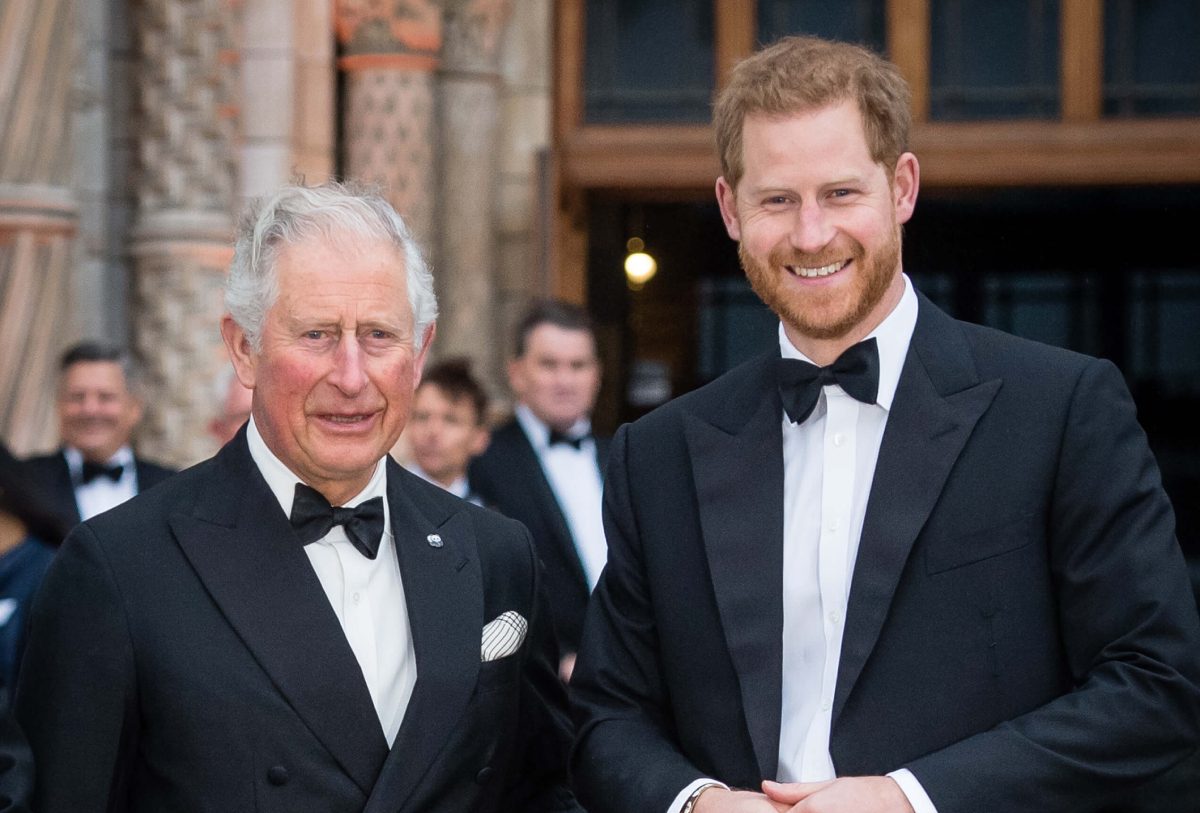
(484, 775)
(277, 776)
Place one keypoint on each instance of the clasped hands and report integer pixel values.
(852, 794)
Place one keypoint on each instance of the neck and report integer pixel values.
(824, 352)
(98, 456)
(340, 492)
(12, 532)
(445, 479)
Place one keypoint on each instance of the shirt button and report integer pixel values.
(835, 617)
(826, 705)
(839, 439)
(357, 597)
(835, 524)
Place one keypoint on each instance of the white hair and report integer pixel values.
(335, 212)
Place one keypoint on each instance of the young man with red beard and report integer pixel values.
(899, 563)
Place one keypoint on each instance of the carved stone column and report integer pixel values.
(38, 214)
(469, 117)
(389, 50)
(182, 240)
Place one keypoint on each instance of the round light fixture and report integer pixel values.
(639, 268)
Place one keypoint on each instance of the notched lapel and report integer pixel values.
(926, 432)
(250, 561)
(739, 490)
(443, 591)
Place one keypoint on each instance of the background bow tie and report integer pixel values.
(557, 437)
(93, 470)
(313, 517)
(856, 371)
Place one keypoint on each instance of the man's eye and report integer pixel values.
(841, 193)
(314, 334)
(379, 334)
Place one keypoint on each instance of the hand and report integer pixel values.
(720, 800)
(853, 794)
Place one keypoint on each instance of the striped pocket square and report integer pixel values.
(503, 636)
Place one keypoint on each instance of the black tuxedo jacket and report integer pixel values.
(183, 656)
(509, 478)
(52, 477)
(1020, 631)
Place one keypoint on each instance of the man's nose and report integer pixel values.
(349, 371)
(811, 230)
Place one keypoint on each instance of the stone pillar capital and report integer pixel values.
(374, 34)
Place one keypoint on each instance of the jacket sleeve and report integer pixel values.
(624, 757)
(1129, 628)
(540, 783)
(76, 697)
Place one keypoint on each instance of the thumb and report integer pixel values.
(792, 792)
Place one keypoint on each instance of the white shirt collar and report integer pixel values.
(459, 488)
(122, 457)
(893, 336)
(539, 433)
(283, 482)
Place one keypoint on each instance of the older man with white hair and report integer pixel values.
(298, 624)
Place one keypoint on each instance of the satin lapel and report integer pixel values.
(66, 490)
(443, 591)
(249, 559)
(739, 489)
(937, 404)
(543, 494)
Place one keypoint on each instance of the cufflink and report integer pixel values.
(434, 540)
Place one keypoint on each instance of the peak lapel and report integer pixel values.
(548, 503)
(938, 402)
(738, 472)
(243, 549)
(444, 594)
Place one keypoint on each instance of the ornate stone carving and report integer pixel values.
(185, 196)
(389, 50)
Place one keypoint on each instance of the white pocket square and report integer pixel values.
(503, 636)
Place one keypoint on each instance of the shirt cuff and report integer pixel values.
(684, 794)
(917, 797)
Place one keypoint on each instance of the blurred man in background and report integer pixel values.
(447, 429)
(234, 406)
(544, 467)
(98, 407)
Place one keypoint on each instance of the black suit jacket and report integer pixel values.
(509, 478)
(1020, 631)
(183, 656)
(51, 475)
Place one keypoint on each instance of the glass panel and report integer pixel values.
(733, 326)
(1165, 330)
(1151, 64)
(993, 59)
(649, 61)
(861, 21)
(1058, 308)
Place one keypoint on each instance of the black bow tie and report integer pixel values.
(856, 371)
(313, 517)
(557, 437)
(93, 470)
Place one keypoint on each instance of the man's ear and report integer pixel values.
(482, 439)
(419, 361)
(241, 354)
(727, 200)
(905, 185)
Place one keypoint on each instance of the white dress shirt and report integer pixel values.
(828, 467)
(574, 477)
(459, 488)
(367, 595)
(102, 493)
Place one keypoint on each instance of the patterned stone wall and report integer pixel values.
(186, 193)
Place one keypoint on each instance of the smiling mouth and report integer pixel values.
(348, 419)
(813, 273)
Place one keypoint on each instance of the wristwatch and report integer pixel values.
(691, 800)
